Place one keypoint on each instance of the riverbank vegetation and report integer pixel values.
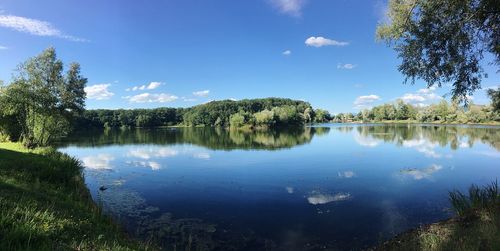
(476, 226)
(41, 102)
(442, 112)
(266, 112)
(45, 205)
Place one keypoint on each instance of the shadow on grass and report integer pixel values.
(45, 205)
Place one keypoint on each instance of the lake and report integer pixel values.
(332, 186)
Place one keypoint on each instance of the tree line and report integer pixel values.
(265, 112)
(442, 112)
(44, 103)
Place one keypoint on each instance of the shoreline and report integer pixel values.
(257, 128)
(476, 231)
(46, 205)
(414, 122)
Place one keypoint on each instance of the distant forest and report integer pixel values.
(267, 112)
(274, 112)
(442, 112)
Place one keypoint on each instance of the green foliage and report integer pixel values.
(484, 198)
(40, 103)
(495, 99)
(268, 112)
(321, 116)
(129, 118)
(266, 118)
(46, 206)
(442, 41)
(237, 120)
(443, 112)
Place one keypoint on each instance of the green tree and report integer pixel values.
(441, 110)
(287, 115)
(476, 114)
(443, 41)
(264, 117)
(402, 110)
(237, 120)
(308, 115)
(495, 99)
(321, 116)
(41, 100)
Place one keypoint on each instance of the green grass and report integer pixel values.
(476, 226)
(45, 205)
(479, 199)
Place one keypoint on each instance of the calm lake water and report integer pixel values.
(322, 187)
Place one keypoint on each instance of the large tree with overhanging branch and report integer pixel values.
(444, 41)
(39, 104)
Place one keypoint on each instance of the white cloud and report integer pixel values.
(150, 86)
(289, 190)
(423, 97)
(413, 98)
(203, 155)
(287, 52)
(147, 164)
(424, 146)
(321, 41)
(366, 140)
(233, 99)
(98, 92)
(98, 162)
(493, 87)
(188, 99)
(427, 90)
(365, 101)
(346, 174)
(148, 153)
(346, 66)
(492, 154)
(464, 144)
(3, 47)
(424, 173)
(154, 165)
(289, 7)
(203, 93)
(152, 98)
(35, 27)
(319, 198)
(153, 85)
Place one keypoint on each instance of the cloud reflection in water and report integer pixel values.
(423, 173)
(152, 152)
(317, 198)
(98, 162)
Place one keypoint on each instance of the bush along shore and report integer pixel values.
(476, 225)
(45, 205)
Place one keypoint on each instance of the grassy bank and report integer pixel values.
(45, 205)
(476, 226)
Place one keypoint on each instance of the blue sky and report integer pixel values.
(187, 52)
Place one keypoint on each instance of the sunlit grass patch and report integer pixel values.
(45, 205)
